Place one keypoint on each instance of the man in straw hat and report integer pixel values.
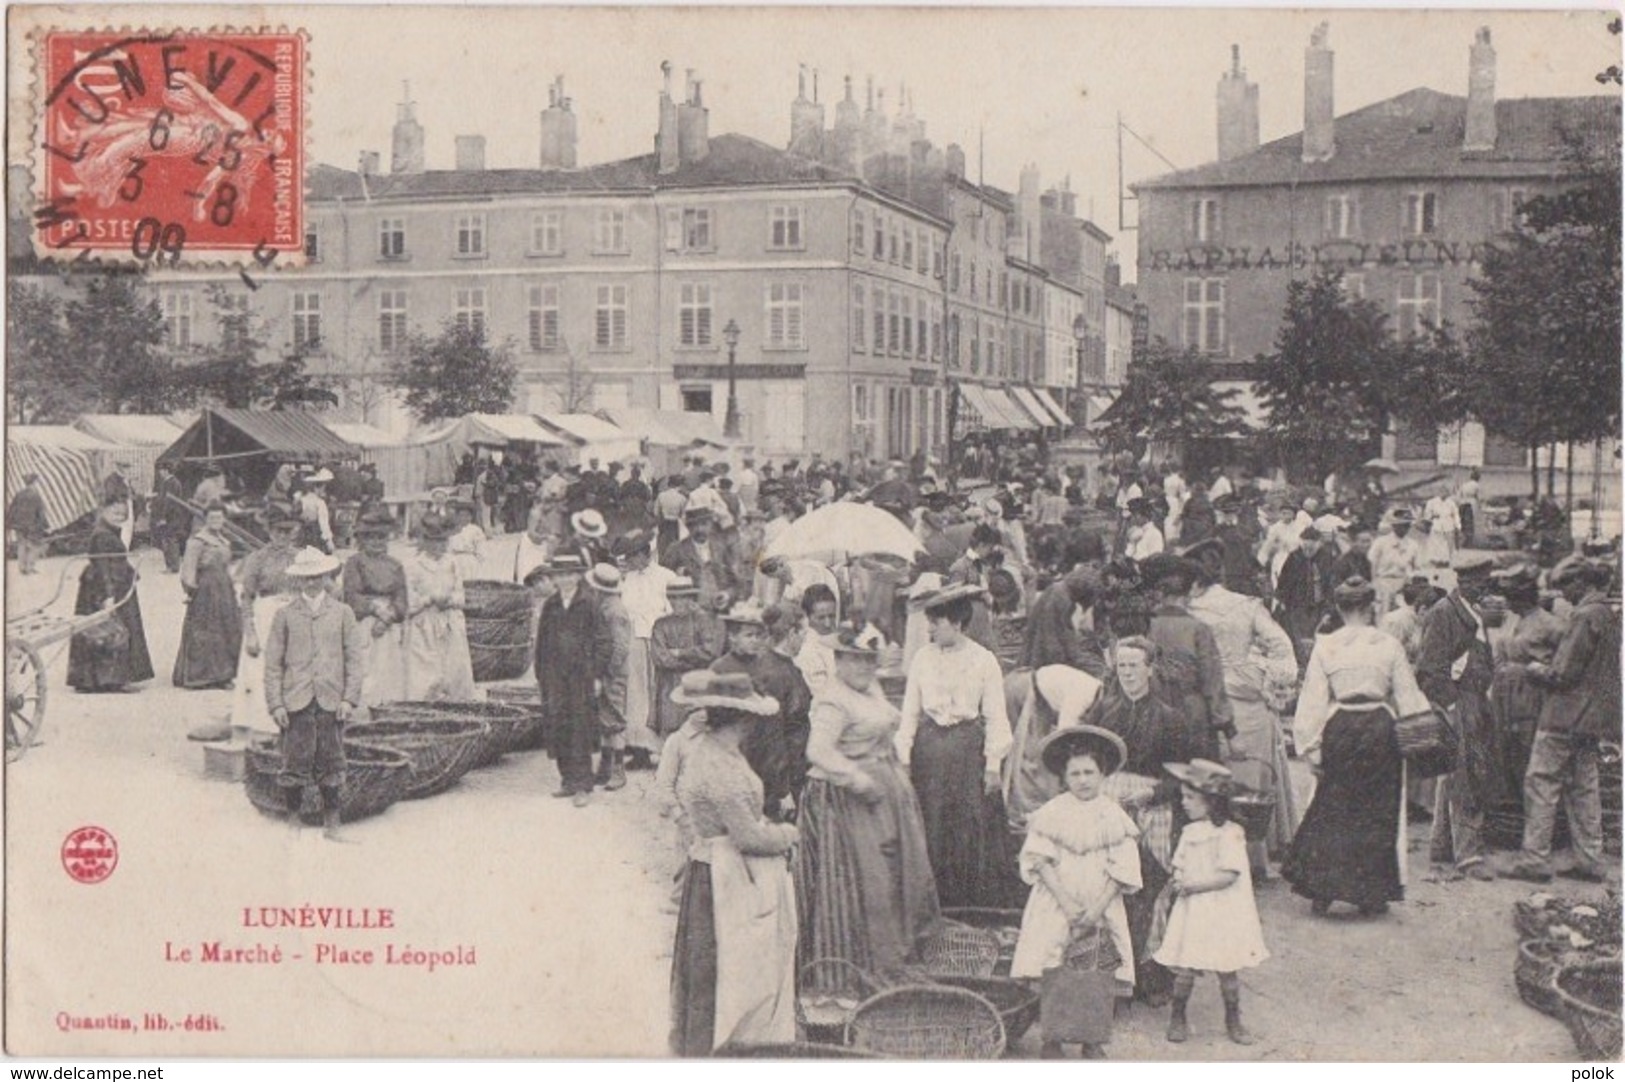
(1395, 557)
(572, 645)
(643, 593)
(1581, 707)
(614, 675)
(314, 665)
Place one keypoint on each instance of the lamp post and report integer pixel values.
(730, 423)
(1080, 334)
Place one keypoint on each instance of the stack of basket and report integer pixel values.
(1567, 951)
(506, 726)
(499, 616)
(374, 778)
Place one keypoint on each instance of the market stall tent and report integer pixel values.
(593, 437)
(70, 465)
(251, 444)
(667, 435)
(141, 438)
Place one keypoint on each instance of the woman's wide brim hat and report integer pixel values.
(1059, 748)
(954, 591)
(589, 523)
(703, 689)
(1205, 776)
(1208, 546)
(281, 514)
(435, 528)
(375, 524)
(309, 563)
(1165, 565)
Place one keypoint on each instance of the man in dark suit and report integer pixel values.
(573, 645)
(702, 557)
(1454, 666)
(26, 518)
(168, 520)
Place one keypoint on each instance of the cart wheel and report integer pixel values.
(25, 699)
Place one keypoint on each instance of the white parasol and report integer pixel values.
(843, 530)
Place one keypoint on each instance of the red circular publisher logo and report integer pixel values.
(90, 854)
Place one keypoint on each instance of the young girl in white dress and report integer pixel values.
(1213, 925)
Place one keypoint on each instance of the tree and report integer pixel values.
(576, 389)
(231, 370)
(1337, 379)
(116, 342)
(41, 384)
(454, 373)
(1169, 396)
(1544, 353)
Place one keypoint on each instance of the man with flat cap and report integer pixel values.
(702, 556)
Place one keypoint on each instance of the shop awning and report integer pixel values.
(1047, 400)
(1028, 401)
(1017, 415)
(1100, 408)
(992, 408)
(275, 435)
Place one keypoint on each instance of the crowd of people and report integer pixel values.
(1055, 703)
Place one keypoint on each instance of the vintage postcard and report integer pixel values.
(802, 532)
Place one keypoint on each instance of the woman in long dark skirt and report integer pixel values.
(212, 634)
(1350, 846)
(733, 969)
(955, 733)
(96, 662)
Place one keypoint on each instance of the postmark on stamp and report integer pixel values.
(171, 147)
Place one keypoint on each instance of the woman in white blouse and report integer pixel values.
(954, 736)
(1351, 845)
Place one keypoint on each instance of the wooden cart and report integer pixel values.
(28, 634)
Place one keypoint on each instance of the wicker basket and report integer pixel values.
(498, 618)
(827, 991)
(1538, 962)
(927, 1021)
(507, 724)
(794, 1050)
(1428, 744)
(526, 697)
(1004, 925)
(1016, 1002)
(374, 778)
(1530, 921)
(441, 750)
(1588, 996)
(959, 950)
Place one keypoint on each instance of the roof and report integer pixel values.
(732, 161)
(492, 430)
(130, 429)
(585, 428)
(56, 436)
(362, 435)
(1418, 134)
(668, 428)
(287, 435)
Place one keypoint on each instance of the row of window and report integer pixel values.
(889, 239)
(1418, 302)
(686, 229)
(1340, 216)
(611, 316)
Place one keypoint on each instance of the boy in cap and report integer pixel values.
(314, 661)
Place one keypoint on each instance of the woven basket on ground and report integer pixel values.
(1588, 996)
(499, 617)
(374, 778)
(1016, 1002)
(526, 697)
(507, 724)
(442, 750)
(959, 950)
(1538, 962)
(1004, 925)
(927, 1021)
(792, 1050)
(827, 991)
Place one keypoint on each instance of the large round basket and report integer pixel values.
(1538, 962)
(498, 617)
(507, 724)
(927, 1021)
(526, 697)
(1017, 1003)
(792, 1050)
(1588, 996)
(442, 750)
(959, 950)
(827, 992)
(374, 778)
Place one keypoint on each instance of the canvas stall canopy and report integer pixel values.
(70, 465)
(667, 435)
(593, 437)
(141, 438)
(251, 444)
(431, 458)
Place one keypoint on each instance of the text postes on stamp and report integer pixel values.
(183, 146)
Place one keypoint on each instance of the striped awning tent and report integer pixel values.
(69, 463)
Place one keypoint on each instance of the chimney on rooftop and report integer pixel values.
(369, 163)
(847, 132)
(1480, 93)
(1029, 217)
(806, 119)
(1238, 111)
(668, 152)
(954, 161)
(1319, 138)
(558, 129)
(693, 123)
(406, 145)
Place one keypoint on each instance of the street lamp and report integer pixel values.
(730, 423)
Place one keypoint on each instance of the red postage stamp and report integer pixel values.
(170, 147)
